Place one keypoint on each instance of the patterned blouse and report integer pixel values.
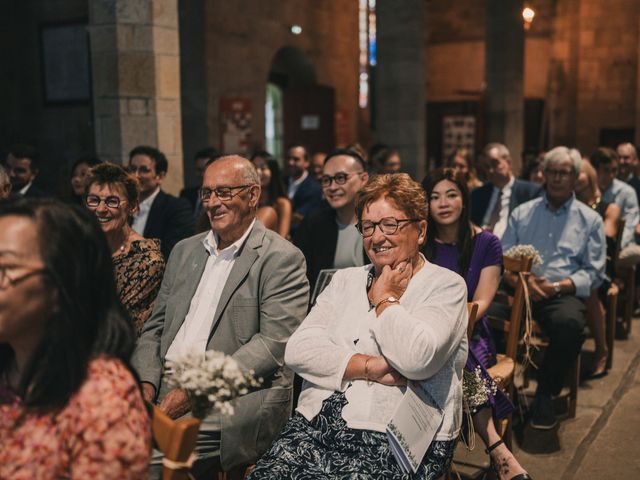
(103, 432)
(138, 277)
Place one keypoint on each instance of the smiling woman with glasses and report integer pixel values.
(69, 404)
(374, 330)
(112, 195)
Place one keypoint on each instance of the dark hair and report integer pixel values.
(466, 237)
(530, 166)
(276, 185)
(382, 156)
(115, 175)
(89, 320)
(307, 157)
(90, 161)
(348, 152)
(159, 160)
(604, 156)
(209, 153)
(26, 151)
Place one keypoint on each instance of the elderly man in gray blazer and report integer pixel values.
(239, 289)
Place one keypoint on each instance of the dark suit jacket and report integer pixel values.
(262, 302)
(170, 219)
(317, 237)
(521, 192)
(32, 192)
(190, 194)
(308, 196)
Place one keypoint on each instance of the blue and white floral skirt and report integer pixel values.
(326, 448)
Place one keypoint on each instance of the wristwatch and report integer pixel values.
(390, 299)
(556, 287)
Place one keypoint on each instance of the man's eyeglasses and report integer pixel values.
(6, 280)
(93, 201)
(387, 225)
(340, 178)
(550, 172)
(222, 193)
(141, 169)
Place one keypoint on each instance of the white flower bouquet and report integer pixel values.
(212, 381)
(520, 251)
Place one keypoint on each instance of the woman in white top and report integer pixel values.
(373, 330)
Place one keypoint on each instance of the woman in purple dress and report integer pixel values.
(455, 243)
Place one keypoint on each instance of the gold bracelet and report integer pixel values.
(366, 370)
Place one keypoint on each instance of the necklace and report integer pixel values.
(595, 203)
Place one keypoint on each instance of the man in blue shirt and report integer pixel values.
(570, 239)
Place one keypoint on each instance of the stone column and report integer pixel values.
(135, 55)
(401, 82)
(504, 76)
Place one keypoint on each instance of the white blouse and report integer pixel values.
(423, 337)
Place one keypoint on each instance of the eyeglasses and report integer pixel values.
(222, 193)
(550, 172)
(93, 201)
(387, 225)
(340, 178)
(6, 280)
(141, 169)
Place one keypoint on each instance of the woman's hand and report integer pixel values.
(379, 370)
(392, 282)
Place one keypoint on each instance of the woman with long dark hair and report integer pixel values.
(274, 208)
(455, 243)
(70, 406)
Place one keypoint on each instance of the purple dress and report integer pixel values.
(487, 251)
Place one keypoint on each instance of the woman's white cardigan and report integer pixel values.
(423, 337)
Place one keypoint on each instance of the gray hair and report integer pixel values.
(4, 176)
(561, 154)
(503, 151)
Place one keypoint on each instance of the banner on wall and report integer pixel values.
(458, 131)
(235, 116)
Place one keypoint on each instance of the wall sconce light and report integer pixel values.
(527, 15)
(296, 29)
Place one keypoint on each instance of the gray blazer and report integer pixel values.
(262, 303)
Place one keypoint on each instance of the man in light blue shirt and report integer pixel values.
(570, 239)
(605, 161)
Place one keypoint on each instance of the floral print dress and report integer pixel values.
(104, 431)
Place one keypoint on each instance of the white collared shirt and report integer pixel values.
(294, 184)
(23, 191)
(501, 224)
(193, 335)
(140, 218)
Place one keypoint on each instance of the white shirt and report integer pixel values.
(424, 337)
(193, 335)
(140, 218)
(23, 191)
(294, 184)
(501, 224)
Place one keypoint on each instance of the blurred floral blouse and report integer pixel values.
(138, 277)
(104, 431)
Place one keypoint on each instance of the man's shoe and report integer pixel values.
(543, 417)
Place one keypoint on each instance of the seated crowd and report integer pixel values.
(97, 293)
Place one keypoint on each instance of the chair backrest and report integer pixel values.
(472, 310)
(517, 266)
(176, 439)
(618, 245)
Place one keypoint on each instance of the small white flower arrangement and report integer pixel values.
(212, 381)
(476, 389)
(520, 251)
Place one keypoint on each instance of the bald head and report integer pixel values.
(240, 165)
(627, 160)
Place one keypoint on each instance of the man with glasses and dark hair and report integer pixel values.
(569, 236)
(160, 214)
(239, 289)
(303, 191)
(22, 166)
(328, 238)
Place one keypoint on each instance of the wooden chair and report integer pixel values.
(474, 464)
(612, 316)
(625, 278)
(176, 439)
(472, 310)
